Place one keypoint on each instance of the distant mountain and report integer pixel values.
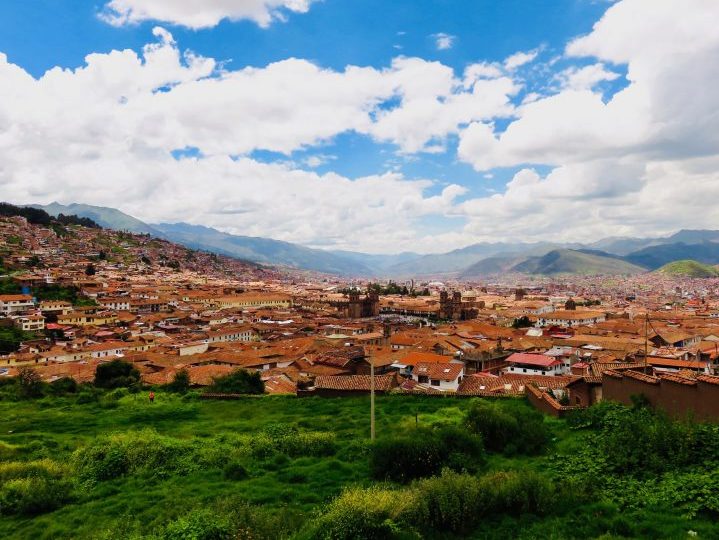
(456, 261)
(262, 250)
(656, 256)
(109, 218)
(491, 266)
(689, 268)
(379, 263)
(569, 261)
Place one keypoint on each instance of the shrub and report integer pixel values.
(116, 374)
(32, 487)
(518, 492)
(424, 452)
(292, 442)
(202, 524)
(116, 455)
(507, 430)
(451, 502)
(239, 381)
(180, 383)
(29, 382)
(362, 513)
(234, 471)
(62, 386)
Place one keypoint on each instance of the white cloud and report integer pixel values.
(200, 13)
(443, 41)
(520, 58)
(585, 78)
(636, 163)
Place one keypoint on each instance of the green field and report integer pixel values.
(281, 490)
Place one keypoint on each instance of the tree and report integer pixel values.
(29, 382)
(90, 270)
(180, 383)
(116, 374)
(522, 322)
(238, 382)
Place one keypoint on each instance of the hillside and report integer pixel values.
(568, 261)
(688, 268)
(263, 250)
(657, 256)
(110, 218)
(491, 266)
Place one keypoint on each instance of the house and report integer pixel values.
(535, 364)
(30, 323)
(571, 318)
(441, 376)
(15, 303)
(350, 385)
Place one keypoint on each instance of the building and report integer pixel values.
(443, 376)
(535, 364)
(570, 318)
(15, 303)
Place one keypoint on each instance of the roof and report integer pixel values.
(530, 359)
(356, 383)
(439, 371)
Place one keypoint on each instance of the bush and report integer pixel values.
(507, 430)
(424, 452)
(239, 381)
(292, 442)
(180, 383)
(33, 487)
(133, 452)
(29, 383)
(62, 386)
(362, 513)
(202, 524)
(234, 471)
(116, 374)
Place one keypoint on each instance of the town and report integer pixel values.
(89, 296)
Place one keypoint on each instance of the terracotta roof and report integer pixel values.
(359, 383)
(532, 360)
(438, 371)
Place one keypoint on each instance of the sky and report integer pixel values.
(375, 126)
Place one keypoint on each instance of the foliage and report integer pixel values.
(424, 453)
(115, 374)
(37, 216)
(11, 338)
(507, 430)
(180, 383)
(239, 381)
(33, 487)
(29, 383)
(521, 322)
(90, 270)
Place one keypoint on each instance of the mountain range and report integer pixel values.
(613, 255)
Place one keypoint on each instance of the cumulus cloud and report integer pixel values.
(198, 14)
(443, 41)
(520, 58)
(625, 164)
(105, 134)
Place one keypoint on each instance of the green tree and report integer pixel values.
(90, 270)
(29, 382)
(238, 382)
(116, 374)
(180, 383)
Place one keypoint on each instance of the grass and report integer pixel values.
(143, 502)
(55, 427)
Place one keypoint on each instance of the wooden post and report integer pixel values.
(371, 396)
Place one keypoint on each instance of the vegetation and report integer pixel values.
(40, 217)
(12, 337)
(239, 381)
(689, 268)
(116, 374)
(116, 466)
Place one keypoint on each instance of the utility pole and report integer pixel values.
(646, 337)
(371, 396)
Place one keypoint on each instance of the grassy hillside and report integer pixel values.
(277, 467)
(569, 261)
(689, 268)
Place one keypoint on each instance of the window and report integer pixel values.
(423, 379)
(435, 382)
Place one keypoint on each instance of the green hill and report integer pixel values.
(570, 261)
(689, 268)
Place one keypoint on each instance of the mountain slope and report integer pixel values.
(109, 218)
(263, 250)
(569, 261)
(656, 256)
(491, 266)
(688, 268)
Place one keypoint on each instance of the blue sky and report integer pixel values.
(376, 171)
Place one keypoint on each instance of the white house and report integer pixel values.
(439, 375)
(535, 364)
